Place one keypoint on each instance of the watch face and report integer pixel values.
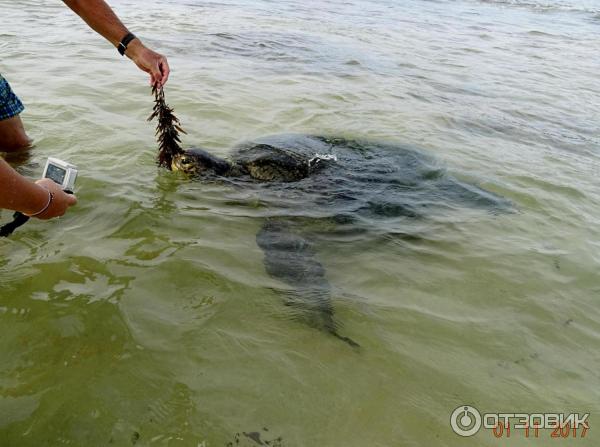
(55, 173)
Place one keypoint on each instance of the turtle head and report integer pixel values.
(198, 162)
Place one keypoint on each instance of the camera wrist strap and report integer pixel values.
(18, 220)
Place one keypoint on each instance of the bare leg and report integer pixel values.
(12, 135)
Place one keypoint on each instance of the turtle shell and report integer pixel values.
(270, 163)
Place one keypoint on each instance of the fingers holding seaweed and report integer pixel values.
(151, 62)
(159, 71)
(165, 70)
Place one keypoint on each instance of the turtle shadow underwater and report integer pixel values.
(353, 186)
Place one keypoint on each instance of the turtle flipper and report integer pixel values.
(346, 339)
(291, 259)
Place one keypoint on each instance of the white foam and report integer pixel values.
(319, 157)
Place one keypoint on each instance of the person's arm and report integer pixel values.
(19, 194)
(101, 18)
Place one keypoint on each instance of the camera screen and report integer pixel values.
(55, 173)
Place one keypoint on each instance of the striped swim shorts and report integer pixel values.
(10, 104)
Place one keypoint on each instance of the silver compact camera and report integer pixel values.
(61, 172)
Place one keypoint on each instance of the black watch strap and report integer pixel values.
(124, 42)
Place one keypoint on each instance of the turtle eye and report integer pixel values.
(186, 160)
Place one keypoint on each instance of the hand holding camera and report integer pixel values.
(58, 200)
(59, 180)
(50, 197)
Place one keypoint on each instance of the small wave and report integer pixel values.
(548, 5)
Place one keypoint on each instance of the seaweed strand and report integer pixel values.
(167, 129)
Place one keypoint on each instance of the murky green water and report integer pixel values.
(145, 316)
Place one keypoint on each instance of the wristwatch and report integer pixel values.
(122, 47)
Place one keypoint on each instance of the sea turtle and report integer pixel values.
(356, 185)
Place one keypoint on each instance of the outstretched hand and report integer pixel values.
(149, 61)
